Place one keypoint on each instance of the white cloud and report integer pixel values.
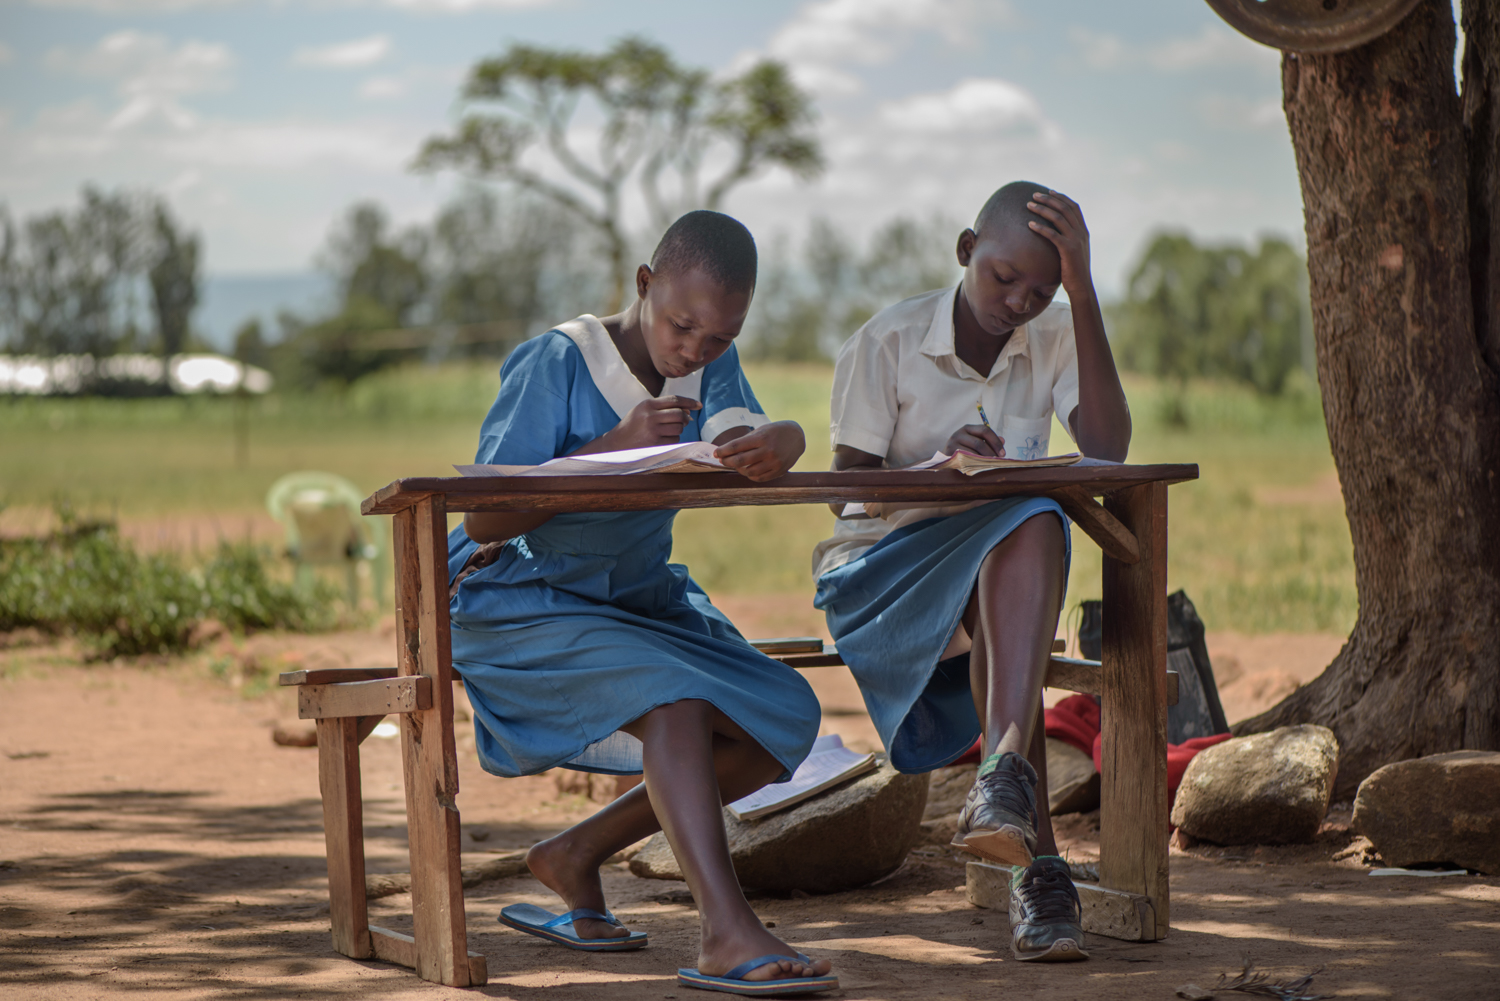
(825, 35)
(380, 87)
(347, 55)
(161, 6)
(149, 74)
(1213, 47)
(975, 105)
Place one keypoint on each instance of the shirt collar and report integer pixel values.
(939, 340)
(619, 386)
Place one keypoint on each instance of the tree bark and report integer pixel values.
(1411, 402)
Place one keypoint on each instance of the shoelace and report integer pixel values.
(1010, 791)
(1048, 896)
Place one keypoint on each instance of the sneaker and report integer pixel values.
(998, 821)
(1046, 916)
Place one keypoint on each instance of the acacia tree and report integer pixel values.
(660, 120)
(1400, 179)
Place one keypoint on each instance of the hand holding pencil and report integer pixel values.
(980, 438)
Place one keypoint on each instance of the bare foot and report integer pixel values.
(725, 952)
(566, 869)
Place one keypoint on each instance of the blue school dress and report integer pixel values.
(581, 625)
(893, 610)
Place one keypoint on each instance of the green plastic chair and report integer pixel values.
(324, 527)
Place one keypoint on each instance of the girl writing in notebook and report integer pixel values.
(581, 646)
(946, 615)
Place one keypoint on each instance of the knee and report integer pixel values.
(1037, 540)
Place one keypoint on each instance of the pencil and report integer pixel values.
(980, 407)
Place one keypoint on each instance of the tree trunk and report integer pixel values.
(1411, 402)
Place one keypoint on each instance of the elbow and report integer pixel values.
(477, 529)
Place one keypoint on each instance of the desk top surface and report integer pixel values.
(648, 491)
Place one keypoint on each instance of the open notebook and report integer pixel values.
(971, 464)
(828, 764)
(691, 457)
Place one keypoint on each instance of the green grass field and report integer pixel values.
(1259, 542)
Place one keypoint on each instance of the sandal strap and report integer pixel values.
(582, 912)
(738, 973)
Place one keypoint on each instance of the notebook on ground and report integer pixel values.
(829, 763)
(691, 457)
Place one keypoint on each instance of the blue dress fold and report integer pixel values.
(582, 625)
(893, 610)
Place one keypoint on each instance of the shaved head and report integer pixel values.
(1006, 210)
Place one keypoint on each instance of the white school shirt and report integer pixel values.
(900, 391)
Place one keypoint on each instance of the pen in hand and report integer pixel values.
(982, 417)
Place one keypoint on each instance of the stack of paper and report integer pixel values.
(971, 464)
(692, 457)
(829, 763)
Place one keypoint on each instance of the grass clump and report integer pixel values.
(84, 579)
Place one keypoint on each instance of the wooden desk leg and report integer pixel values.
(344, 834)
(1133, 792)
(428, 756)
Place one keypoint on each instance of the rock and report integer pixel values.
(939, 831)
(1072, 780)
(1444, 808)
(947, 790)
(591, 785)
(1269, 788)
(849, 836)
(298, 735)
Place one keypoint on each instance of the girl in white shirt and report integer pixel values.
(946, 615)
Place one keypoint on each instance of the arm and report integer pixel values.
(764, 453)
(652, 422)
(1101, 421)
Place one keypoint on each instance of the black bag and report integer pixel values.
(1198, 712)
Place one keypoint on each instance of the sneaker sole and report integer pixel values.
(1064, 950)
(1006, 846)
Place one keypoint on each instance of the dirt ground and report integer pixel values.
(156, 841)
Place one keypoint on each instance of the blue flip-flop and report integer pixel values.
(734, 981)
(542, 923)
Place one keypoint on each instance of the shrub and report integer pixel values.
(84, 579)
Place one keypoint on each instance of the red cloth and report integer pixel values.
(1075, 721)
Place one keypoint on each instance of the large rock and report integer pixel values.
(849, 836)
(1270, 788)
(1442, 808)
(1072, 780)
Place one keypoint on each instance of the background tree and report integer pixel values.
(1223, 312)
(1401, 196)
(659, 120)
(174, 280)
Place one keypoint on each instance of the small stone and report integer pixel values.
(295, 736)
(479, 834)
(1072, 779)
(847, 837)
(1192, 992)
(1269, 788)
(1444, 809)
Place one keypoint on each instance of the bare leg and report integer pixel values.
(1012, 618)
(568, 864)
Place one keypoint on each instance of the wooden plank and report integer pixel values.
(365, 726)
(1133, 776)
(1059, 646)
(388, 884)
(1111, 913)
(1096, 522)
(344, 835)
(380, 697)
(429, 759)
(1073, 675)
(394, 947)
(650, 491)
(334, 675)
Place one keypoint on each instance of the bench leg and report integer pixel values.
(344, 834)
(429, 759)
(1133, 792)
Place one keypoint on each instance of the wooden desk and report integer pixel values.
(1130, 526)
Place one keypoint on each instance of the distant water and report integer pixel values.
(229, 300)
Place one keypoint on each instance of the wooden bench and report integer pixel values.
(1132, 681)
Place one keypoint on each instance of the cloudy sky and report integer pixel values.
(262, 119)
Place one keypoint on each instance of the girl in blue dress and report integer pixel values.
(581, 646)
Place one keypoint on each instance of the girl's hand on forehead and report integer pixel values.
(1063, 226)
(976, 438)
(653, 422)
(765, 453)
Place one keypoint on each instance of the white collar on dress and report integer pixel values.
(621, 389)
(939, 340)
